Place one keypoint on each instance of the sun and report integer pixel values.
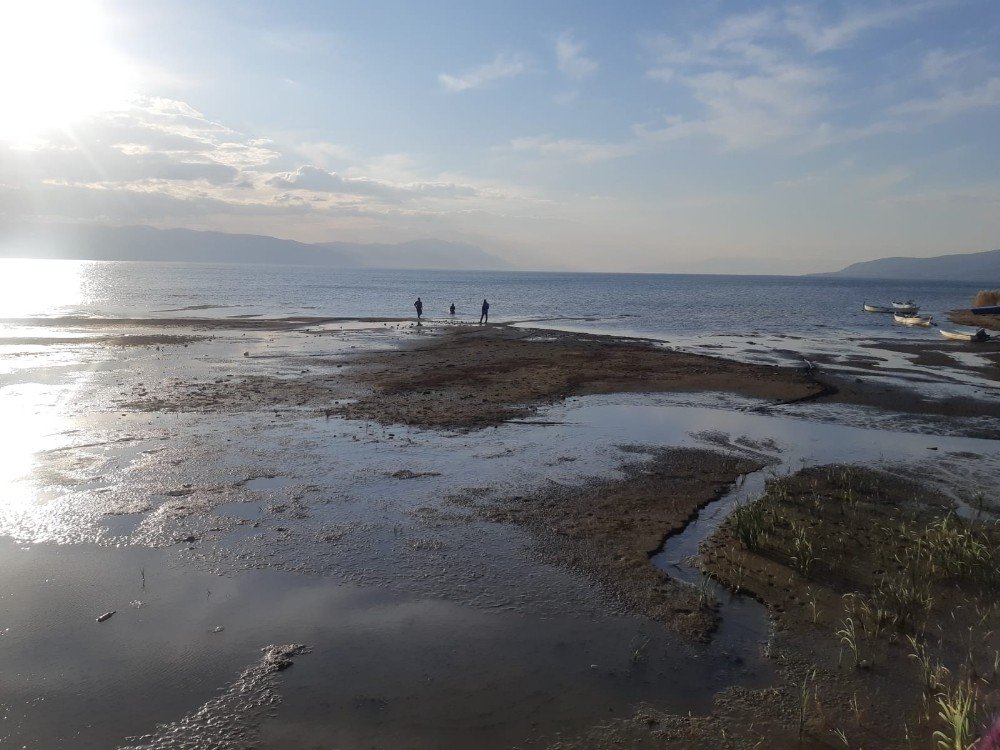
(57, 66)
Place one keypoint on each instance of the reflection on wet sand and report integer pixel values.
(208, 482)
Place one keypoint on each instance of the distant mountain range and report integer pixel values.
(141, 243)
(979, 267)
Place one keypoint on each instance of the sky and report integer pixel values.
(735, 137)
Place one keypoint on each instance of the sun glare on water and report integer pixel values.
(57, 66)
(39, 287)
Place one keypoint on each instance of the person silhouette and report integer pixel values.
(452, 308)
(420, 308)
(485, 315)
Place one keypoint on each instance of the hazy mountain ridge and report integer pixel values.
(981, 267)
(144, 243)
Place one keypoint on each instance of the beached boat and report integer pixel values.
(979, 335)
(990, 310)
(913, 320)
(877, 308)
(905, 307)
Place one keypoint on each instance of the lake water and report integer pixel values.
(655, 305)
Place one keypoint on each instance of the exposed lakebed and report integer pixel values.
(429, 625)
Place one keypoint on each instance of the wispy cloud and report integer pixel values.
(570, 58)
(502, 66)
(952, 103)
(938, 63)
(573, 149)
(822, 35)
(763, 77)
(317, 180)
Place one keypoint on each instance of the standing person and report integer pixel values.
(485, 315)
(452, 308)
(420, 308)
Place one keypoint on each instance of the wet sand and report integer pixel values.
(289, 480)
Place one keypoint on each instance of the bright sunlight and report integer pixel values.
(38, 287)
(57, 66)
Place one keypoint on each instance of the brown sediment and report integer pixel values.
(969, 318)
(609, 529)
(481, 376)
(249, 393)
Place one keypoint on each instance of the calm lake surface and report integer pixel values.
(654, 305)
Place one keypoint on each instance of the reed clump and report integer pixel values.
(987, 298)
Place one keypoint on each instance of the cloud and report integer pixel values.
(162, 162)
(938, 63)
(570, 59)
(502, 66)
(752, 92)
(818, 35)
(319, 180)
(952, 103)
(762, 78)
(573, 149)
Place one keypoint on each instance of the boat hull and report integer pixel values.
(979, 335)
(990, 310)
(910, 320)
(877, 309)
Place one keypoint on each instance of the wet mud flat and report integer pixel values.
(454, 587)
(482, 376)
(610, 529)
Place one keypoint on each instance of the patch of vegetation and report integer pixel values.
(894, 593)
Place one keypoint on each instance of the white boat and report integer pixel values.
(905, 307)
(979, 335)
(877, 308)
(913, 320)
